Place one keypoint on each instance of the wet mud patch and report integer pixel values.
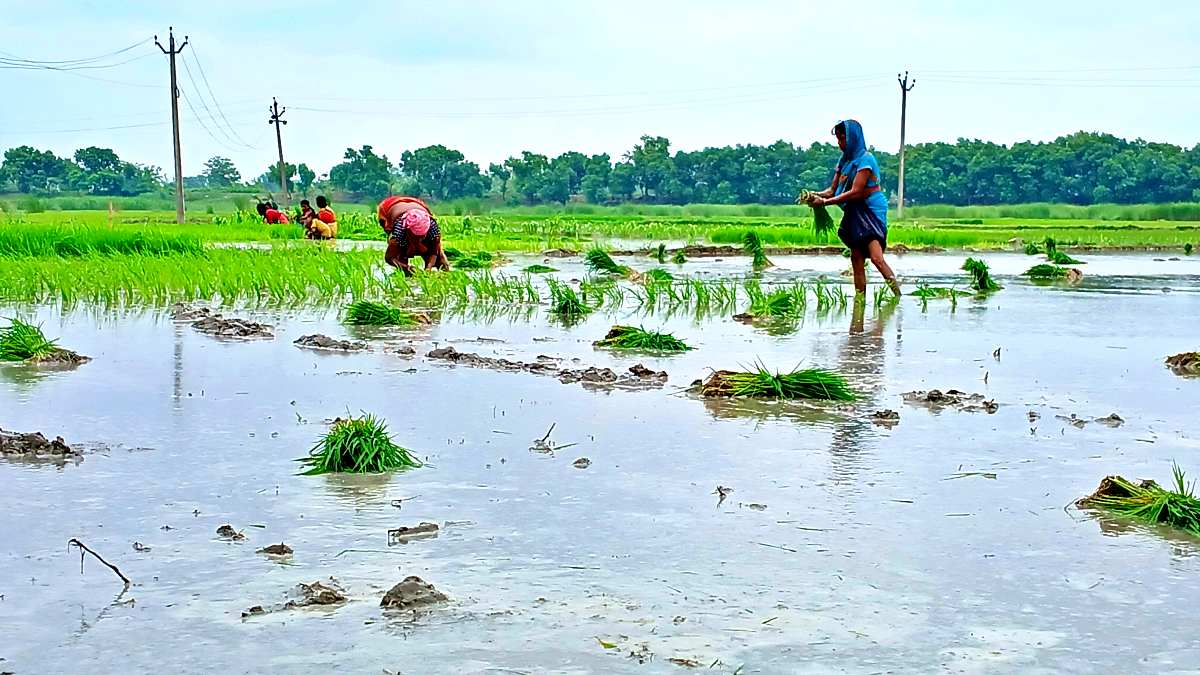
(58, 357)
(324, 342)
(937, 400)
(407, 533)
(35, 446)
(319, 593)
(412, 594)
(1112, 420)
(218, 326)
(885, 418)
(278, 550)
(1187, 363)
(227, 532)
(637, 377)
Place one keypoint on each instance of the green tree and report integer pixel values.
(306, 178)
(363, 173)
(219, 172)
(500, 175)
(93, 159)
(442, 174)
(651, 163)
(528, 173)
(622, 182)
(32, 170)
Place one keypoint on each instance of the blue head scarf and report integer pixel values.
(855, 157)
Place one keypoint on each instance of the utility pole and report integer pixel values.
(171, 52)
(905, 87)
(277, 120)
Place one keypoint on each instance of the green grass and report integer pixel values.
(370, 313)
(658, 275)
(479, 260)
(538, 269)
(981, 278)
(660, 254)
(807, 383)
(357, 445)
(63, 240)
(640, 339)
(20, 341)
(599, 261)
(1031, 248)
(564, 302)
(926, 291)
(753, 246)
(1045, 271)
(679, 258)
(1059, 258)
(1150, 503)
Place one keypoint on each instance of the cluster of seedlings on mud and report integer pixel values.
(20, 341)
(357, 445)
(981, 277)
(1149, 502)
(759, 382)
(753, 247)
(600, 262)
(370, 313)
(639, 339)
(538, 268)
(479, 260)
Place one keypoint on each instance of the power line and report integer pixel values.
(199, 120)
(8, 65)
(14, 57)
(215, 101)
(187, 70)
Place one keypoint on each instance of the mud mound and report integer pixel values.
(560, 253)
(1110, 487)
(637, 377)
(305, 595)
(1187, 363)
(33, 446)
(59, 357)
(183, 312)
(318, 341)
(885, 418)
(276, 549)
(937, 400)
(219, 326)
(411, 594)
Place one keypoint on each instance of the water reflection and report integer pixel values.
(861, 358)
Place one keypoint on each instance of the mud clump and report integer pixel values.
(885, 418)
(1187, 363)
(305, 595)
(318, 341)
(276, 549)
(1112, 487)
(183, 312)
(937, 400)
(637, 377)
(59, 357)
(405, 534)
(412, 594)
(560, 253)
(582, 463)
(34, 446)
(218, 326)
(227, 532)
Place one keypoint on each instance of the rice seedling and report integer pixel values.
(1059, 258)
(20, 341)
(479, 260)
(598, 260)
(679, 258)
(1187, 248)
(658, 275)
(357, 445)
(370, 313)
(885, 296)
(564, 302)
(759, 382)
(1148, 502)
(822, 221)
(538, 269)
(660, 254)
(1044, 271)
(1031, 248)
(925, 291)
(1050, 245)
(981, 278)
(777, 303)
(73, 239)
(754, 248)
(640, 339)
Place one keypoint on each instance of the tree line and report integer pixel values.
(1082, 168)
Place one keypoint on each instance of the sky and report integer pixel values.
(494, 78)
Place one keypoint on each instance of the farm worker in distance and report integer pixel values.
(412, 231)
(318, 224)
(272, 214)
(856, 188)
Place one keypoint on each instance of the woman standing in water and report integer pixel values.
(856, 189)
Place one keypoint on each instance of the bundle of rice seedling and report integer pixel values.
(658, 274)
(598, 260)
(809, 383)
(660, 254)
(754, 248)
(539, 269)
(1149, 502)
(478, 260)
(564, 301)
(1045, 271)
(1050, 245)
(1187, 248)
(640, 339)
(1187, 363)
(1059, 258)
(1031, 248)
(357, 445)
(779, 303)
(822, 221)
(679, 258)
(369, 313)
(981, 279)
(20, 341)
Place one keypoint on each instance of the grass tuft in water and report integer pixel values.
(754, 248)
(1031, 248)
(640, 339)
(808, 383)
(20, 341)
(1187, 248)
(1045, 271)
(479, 260)
(1149, 502)
(1059, 258)
(539, 269)
(679, 258)
(981, 278)
(660, 254)
(658, 275)
(564, 301)
(357, 445)
(370, 313)
(598, 260)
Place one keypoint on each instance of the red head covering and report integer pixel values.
(387, 204)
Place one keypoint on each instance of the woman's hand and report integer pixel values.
(816, 200)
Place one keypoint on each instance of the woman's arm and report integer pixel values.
(858, 190)
(828, 192)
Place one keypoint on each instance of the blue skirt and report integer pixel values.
(860, 226)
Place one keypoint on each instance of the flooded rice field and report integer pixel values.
(742, 537)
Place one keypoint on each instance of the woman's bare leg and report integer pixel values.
(859, 265)
(876, 252)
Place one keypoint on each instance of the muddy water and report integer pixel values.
(868, 556)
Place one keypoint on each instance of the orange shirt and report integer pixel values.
(274, 216)
(326, 215)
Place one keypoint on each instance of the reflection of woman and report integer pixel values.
(856, 188)
(863, 357)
